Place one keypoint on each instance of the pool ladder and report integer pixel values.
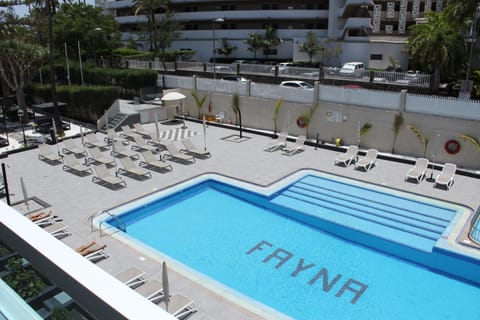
(120, 224)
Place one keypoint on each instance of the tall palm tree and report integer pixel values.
(254, 43)
(149, 8)
(397, 126)
(270, 40)
(438, 45)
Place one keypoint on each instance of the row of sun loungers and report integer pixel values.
(281, 143)
(445, 179)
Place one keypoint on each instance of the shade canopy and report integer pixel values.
(173, 96)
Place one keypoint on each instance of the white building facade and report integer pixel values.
(370, 31)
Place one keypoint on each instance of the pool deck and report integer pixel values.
(75, 198)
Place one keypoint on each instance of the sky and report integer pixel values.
(22, 10)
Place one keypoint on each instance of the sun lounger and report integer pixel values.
(104, 175)
(152, 290)
(127, 133)
(368, 161)
(348, 157)
(96, 156)
(71, 147)
(58, 230)
(92, 141)
(118, 149)
(71, 163)
(298, 146)
(160, 142)
(114, 136)
(152, 162)
(130, 167)
(132, 277)
(43, 218)
(180, 306)
(417, 172)
(193, 150)
(47, 154)
(445, 178)
(141, 144)
(174, 153)
(92, 251)
(278, 143)
(139, 129)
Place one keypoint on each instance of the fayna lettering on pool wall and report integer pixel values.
(281, 256)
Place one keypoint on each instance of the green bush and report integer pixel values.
(26, 282)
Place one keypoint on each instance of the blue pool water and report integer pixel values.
(296, 268)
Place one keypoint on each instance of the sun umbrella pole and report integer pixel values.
(166, 287)
(25, 195)
(55, 135)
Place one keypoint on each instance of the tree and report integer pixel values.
(199, 101)
(423, 139)
(363, 131)
(237, 111)
(254, 42)
(331, 50)
(311, 46)
(226, 48)
(149, 8)
(270, 41)
(166, 30)
(397, 126)
(97, 32)
(307, 117)
(19, 64)
(437, 46)
(278, 104)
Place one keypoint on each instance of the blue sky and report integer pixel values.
(23, 10)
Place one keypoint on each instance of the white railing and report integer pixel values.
(443, 106)
(361, 97)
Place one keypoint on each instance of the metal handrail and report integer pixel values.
(120, 224)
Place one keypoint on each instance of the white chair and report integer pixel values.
(71, 147)
(174, 153)
(130, 167)
(348, 157)
(280, 142)
(92, 141)
(445, 178)
(152, 162)
(368, 161)
(97, 156)
(298, 146)
(71, 163)
(131, 277)
(103, 175)
(58, 230)
(152, 290)
(118, 149)
(220, 117)
(192, 149)
(47, 154)
(417, 172)
(180, 306)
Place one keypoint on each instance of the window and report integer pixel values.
(376, 56)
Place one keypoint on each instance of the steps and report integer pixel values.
(115, 121)
(407, 221)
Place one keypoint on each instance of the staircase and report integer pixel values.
(114, 121)
(407, 221)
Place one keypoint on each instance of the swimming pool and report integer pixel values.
(273, 248)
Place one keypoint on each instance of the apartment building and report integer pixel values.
(371, 31)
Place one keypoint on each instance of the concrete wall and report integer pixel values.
(334, 120)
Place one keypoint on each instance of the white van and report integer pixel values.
(352, 69)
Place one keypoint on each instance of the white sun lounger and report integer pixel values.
(43, 218)
(417, 172)
(47, 154)
(58, 230)
(368, 161)
(128, 133)
(118, 149)
(152, 290)
(97, 156)
(104, 175)
(142, 144)
(445, 178)
(298, 146)
(174, 153)
(193, 150)
(180, 306)
(278, 143)
(152, 162)
(131, 277)
(139, 129)
(92, 251)
(130, 167)
(92, 141)
(348, 157)
(71, 163)
(114, 136)
(71, 147)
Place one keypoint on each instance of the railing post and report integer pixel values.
(238, 69)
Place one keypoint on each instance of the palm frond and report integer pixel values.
(472, 140)
(365, 128)
(278, 104)
(418, 133)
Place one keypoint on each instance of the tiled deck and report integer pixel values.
(75, 198)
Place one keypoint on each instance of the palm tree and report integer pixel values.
(307, 117)
(237, 111)
(270, 40)
(397, 126)
(255, 42)
(311, 46)
(226, 48)
(437, 45)
(278, 104)
(150, 8)
(363, 131)
(472, 140)
(423, 139)
(199, 101)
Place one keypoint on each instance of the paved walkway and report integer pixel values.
(75, 198)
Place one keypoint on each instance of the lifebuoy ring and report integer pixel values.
(301, 122)
(452, 146)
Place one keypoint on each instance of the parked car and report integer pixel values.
(235, 78)
(296, 84)
(352, 69)
(282, 67)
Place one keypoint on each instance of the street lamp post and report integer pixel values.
(94, 49)
(215, 21)
(20, 114)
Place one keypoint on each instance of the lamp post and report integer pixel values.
(215, 21)
(20, 115)
(94, 49)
